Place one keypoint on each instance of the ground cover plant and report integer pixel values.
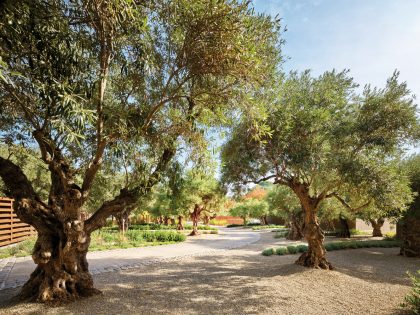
(293, 249)
(108, 239)
(270, 226)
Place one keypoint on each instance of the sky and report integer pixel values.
(372, 38)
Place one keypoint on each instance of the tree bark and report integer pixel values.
(315, 257)
(296, 227)
(263, 220)
(123, 221)
(62, 274)
(344, 228)
(195, 215)
(206, 220)
(166, 220)
(377, 225)
(180, 226)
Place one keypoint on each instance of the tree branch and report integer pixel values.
(127, 198)
(345, 204)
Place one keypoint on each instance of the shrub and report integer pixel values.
(268, 251)
(271, 226)
(281, 250)
(281, 233)
(302, 248)
(292, 249)
(390, 236)
(412, 300)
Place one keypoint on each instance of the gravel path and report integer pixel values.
(242, 281)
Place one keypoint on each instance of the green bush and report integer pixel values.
(264, 227)
(268, 251)
(302, 248)
(281, 233)
(292, 249)
(412, 300)
(339, 245)
(281, 250)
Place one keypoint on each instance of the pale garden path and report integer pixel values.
(15, 271)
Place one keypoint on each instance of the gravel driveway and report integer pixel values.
(242, 281)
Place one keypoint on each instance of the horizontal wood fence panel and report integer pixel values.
(12, 230)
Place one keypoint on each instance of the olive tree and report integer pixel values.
(87, 81)
(323, 140)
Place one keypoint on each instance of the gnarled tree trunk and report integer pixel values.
(206, 220)
(195, 215)
(344, 228)
(166, 220)
(315, 257)
(180, 226)
(263, 220)
(296, 227)
(377, 225)
(62, 273)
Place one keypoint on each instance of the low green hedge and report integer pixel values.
(156, 227)
(293, 249)
(270, 226)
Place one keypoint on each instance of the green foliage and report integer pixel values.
(302, 248)
(412, 300)
(106, 239)
(154, 227)
(292, 249)
(331, 246)
(282, 250)
(265, 227)
(268, 251)
(19, 250)
(322, 135)
(250, 208)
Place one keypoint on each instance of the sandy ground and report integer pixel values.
(242, 281)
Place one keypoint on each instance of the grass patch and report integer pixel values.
(281, 233)
(107, 239)
(294, 249)
(19, 250)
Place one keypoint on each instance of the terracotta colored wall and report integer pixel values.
(229, 219)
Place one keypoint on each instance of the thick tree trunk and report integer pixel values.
(377, 225)
(315, 257)
(166, 220)
(123, 221)
(263, 220)
(245, 220)
(195, 215)
(180, 226)
(344, 228)
(296, 227)
(62, 274)
(206, 220)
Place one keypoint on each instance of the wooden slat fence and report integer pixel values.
(12, 230)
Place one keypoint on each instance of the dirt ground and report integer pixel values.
(242, 281)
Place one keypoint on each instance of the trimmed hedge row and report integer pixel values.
(293, 249)
(270, 226)
(155, 236)
(154, 226)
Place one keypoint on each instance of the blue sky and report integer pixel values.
(369, 37)
(372, 38)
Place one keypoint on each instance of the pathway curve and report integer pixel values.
(14, 272)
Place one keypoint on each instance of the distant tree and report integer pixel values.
(323, 141)
(258, 193)
(284, 203)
